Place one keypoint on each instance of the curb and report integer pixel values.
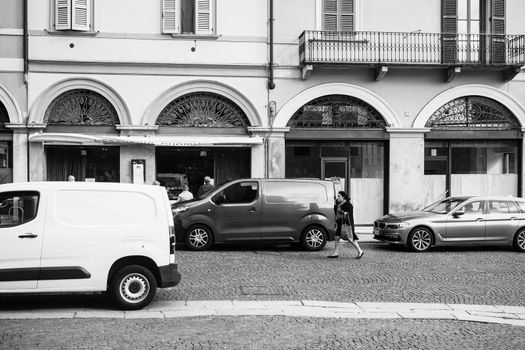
(493, 314)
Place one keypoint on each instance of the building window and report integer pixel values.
(188, 16)
(73, 15)
(339, 15)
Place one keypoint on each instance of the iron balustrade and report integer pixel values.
(411, 48)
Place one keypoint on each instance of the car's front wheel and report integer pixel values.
(314, 238)
(133, 287)
(419, 240)
(198, 237)
(519, 241)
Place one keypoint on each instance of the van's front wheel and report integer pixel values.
(198, 237)
(133, 287)
(314, 238)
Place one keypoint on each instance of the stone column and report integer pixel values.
(129, 152)
(20, 153)
(268, 158)
(407, 165)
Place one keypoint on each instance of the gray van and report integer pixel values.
(262, 210)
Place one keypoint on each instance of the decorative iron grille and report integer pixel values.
(473, 112)
(203, 109)
(337, 111)
(4, 117)
(81, 107)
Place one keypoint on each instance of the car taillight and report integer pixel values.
(172, 239)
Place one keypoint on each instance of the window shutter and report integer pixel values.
(347, 16)
(62, 15)
(497, 21)
(330, 14)
(170, 16)
(204, 17)
(449, 29)
(80, 15)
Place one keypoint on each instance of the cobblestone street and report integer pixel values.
(489, 276)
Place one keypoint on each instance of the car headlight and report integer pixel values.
(398, 225)
(179, 210)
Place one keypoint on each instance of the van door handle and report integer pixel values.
(480, 220)
(28, 235)
(252, 210)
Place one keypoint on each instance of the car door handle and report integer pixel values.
(28, 235)
(480, 220)
(252, 210)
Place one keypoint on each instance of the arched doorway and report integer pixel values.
(198, 113)
(341, 137)
(82, 111)
(6, 147)
(473, 148)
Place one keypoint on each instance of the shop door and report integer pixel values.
(335, 168)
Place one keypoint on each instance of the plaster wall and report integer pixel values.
(11, 14)
(130, 152)
(406, 172)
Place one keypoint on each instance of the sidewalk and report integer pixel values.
(496, 314)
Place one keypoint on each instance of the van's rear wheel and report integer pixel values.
(198, 237)
(133, 287)
(314, 238)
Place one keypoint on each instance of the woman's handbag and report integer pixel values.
(347, 231)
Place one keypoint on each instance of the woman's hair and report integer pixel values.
(343, 194)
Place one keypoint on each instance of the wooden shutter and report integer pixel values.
(497, 23)
(62, 14)
(204, 17)
(330, 15)
(449, 29)
(80, 15)
(346, 20)
(170, 16)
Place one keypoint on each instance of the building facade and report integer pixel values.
(401, 102)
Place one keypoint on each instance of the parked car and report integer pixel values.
(87, 237)
(457, 220)
(259, 210)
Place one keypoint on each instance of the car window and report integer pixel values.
(17, 208)
(240, 192)
(521, 206)
(496, 207)
(473, 208)
(277, 192)
(513, 208)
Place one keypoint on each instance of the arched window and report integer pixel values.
(337, 111)
(81, 107)
(4, 117)
(202, 109)
(473, 112)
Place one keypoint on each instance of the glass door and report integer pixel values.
(335, 169)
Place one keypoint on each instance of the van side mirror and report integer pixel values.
(219, 199)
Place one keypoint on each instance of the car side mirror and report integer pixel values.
(459, 212)
(220, 199)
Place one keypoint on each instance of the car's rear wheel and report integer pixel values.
(314, 238)
(420, 240)
(133, 287)
(198, 237)
(519, 240)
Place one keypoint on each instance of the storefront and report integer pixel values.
(342, 138)
(473, 148)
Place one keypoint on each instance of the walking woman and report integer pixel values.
(344, 214)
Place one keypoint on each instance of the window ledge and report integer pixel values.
(71, 32)
(195, 36)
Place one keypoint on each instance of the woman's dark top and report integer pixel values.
(348, 208)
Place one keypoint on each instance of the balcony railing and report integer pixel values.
(412, 48)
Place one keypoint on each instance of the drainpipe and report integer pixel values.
(270, 86)
(26, 81)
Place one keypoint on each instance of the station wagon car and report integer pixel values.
(457, 220)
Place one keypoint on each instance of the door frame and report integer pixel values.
(346, 160)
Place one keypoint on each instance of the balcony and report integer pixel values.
(381, 50)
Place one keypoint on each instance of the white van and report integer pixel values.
(87, 237)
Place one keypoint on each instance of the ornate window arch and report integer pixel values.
(473, 112)
(202, 109)
(81, 107)
(337, 111)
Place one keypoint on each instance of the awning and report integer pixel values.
(157, 140)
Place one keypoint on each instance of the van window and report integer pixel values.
(285, 191)
(109, 208)
(240, 192)
(17, 208)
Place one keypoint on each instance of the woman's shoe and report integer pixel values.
(360, 255)
(332, 256)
